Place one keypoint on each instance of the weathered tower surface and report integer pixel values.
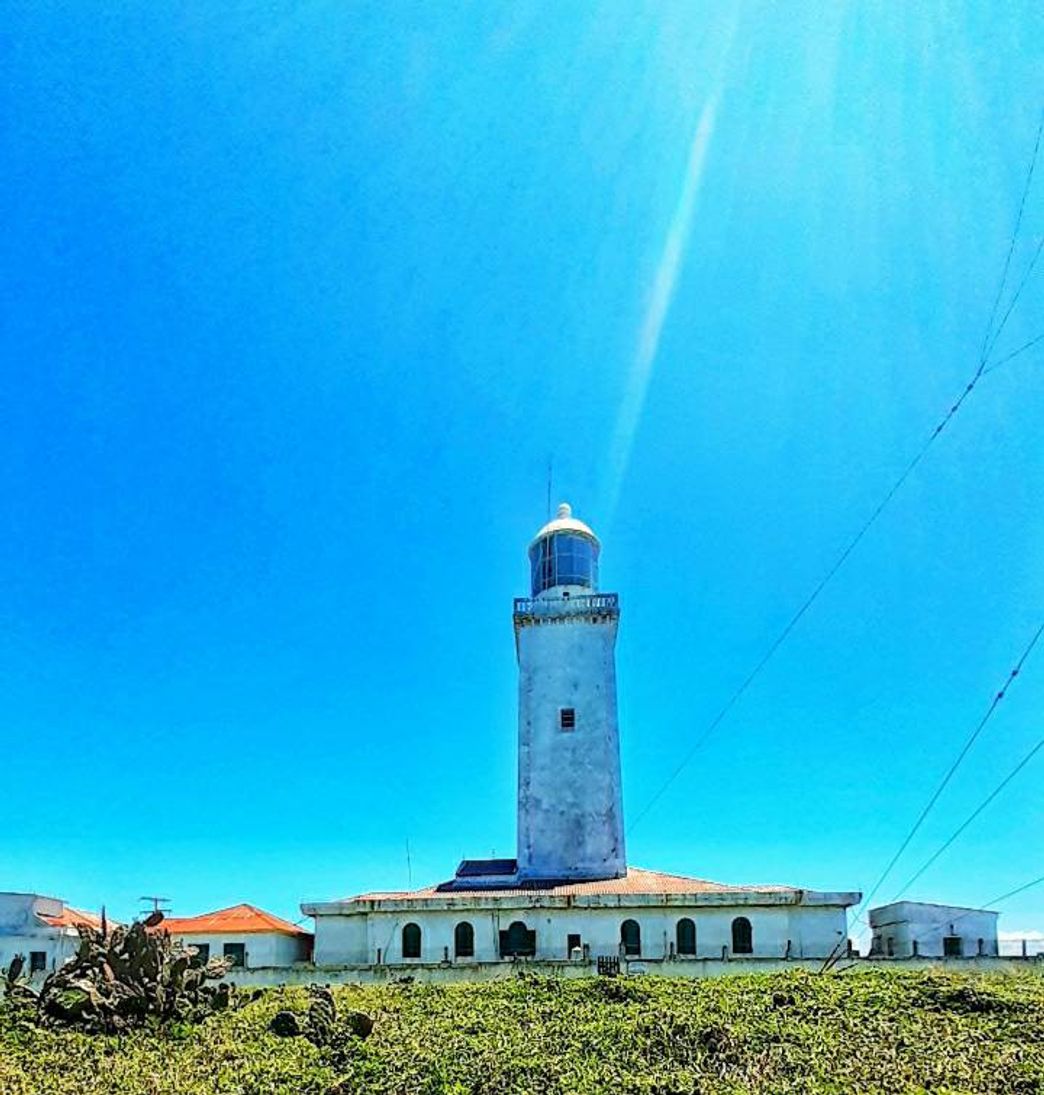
(570, 807)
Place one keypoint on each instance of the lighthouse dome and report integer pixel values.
(564, 553)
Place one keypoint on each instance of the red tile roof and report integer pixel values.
(239, 919)
(73, 918)
(636, 881)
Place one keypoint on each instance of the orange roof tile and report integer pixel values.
(73, 918)
(636, 881)
(240, 919)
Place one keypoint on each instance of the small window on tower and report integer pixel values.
(567, 718)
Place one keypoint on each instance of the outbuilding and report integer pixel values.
(43, 930)
(917, 929)
(251, 937)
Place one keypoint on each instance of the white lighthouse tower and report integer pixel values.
(569, 893)
(570, 807)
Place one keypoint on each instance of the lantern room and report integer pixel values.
(564, 553)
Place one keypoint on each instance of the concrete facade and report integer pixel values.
(40, 929)
(784, 924)
(251, 936)
(910, 929)
(570, 799)
(260, 949)
(570, 809)
(450, 973)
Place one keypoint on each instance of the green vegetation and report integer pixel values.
(121, 979)
(886, 1031)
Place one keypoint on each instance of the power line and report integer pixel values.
(1014, 353)
(810, 600)
(835, 954)
(1015, 298)
(987, 345)
(832, 959)
(972, 816)
(953, 768)
(993, 901)
(983, 351)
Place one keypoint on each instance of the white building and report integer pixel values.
(644, 915)
(915, 929)
(251, 937)
(569, 894)
(43, 930)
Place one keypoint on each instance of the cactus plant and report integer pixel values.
(127, 977)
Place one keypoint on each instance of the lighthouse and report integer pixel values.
(569, 893)
(570, 807)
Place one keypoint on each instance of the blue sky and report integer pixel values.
(300, 298)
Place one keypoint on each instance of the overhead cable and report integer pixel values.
(1015, 297)
(835, 954)
(1014, 353)
(971, 817)
(852, 544)
(993, 901)
(956, 763)
(986, 343)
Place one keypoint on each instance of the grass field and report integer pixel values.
(883, 1031)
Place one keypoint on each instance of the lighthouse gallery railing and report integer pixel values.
(602, 604)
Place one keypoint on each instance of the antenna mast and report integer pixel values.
(157, 903)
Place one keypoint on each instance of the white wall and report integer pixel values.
(342, 939)
(58, 945)
(263, 949)
(813, 931)
(905, 922)
(570, 811)
(22, 933)
(464, 972)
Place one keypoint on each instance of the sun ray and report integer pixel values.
(658, 306)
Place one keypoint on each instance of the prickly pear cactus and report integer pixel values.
(122, 978)
(322, 1015)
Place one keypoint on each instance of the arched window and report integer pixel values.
(518, 941)
(464, 940)
(631, 938)
(742, 936)
(686, 936)
(411, 941)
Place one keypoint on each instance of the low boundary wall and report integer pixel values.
(447, 973)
